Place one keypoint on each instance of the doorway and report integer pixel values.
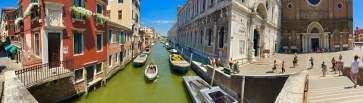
(256, 42)
(315, 44)
(54, 42)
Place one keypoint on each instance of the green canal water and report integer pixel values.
(129, 85)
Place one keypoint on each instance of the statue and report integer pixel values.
(251, 55)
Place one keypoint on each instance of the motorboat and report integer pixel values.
(140, 60)
(179, 64)
(151, 72)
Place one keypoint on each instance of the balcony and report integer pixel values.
(54, 16)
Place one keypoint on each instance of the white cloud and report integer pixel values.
(164, 22)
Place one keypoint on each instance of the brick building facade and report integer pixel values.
(316, 25)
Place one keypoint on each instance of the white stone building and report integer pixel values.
(237, 29)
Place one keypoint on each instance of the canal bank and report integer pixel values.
(129, 85)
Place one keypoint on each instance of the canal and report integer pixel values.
(129, 85)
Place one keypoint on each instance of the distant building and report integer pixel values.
(358, 35)
(7, 25)
(315, 25)
(149, 35)
(229, 29)
(172, 34)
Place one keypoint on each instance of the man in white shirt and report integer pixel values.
(354, 70)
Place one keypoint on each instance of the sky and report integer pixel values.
(161, 14)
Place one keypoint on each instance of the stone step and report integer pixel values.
(339, 93)
(332, 89)
(342, 99)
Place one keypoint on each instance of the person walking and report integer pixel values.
(333, 63)
(311, 62)
(235, 67)
(231, 63)
(340, 57)
(354, 71)
(324, 68)
(283, 67)
(274, 67)
(294, 62)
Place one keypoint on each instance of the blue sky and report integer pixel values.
(161, 14)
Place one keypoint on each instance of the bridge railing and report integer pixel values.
(38, 74)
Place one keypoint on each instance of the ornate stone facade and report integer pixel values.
(229, 29)
(316, 25)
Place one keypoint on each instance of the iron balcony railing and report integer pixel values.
(42, 73)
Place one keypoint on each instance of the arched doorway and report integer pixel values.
(256, 42)
(315, 44)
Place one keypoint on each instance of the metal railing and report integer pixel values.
(39, 74)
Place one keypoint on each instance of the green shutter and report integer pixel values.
(122, 37)
(117, 37)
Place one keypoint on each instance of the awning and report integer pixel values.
(11, 48)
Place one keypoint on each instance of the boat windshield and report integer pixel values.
(219, 97)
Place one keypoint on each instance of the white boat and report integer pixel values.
(217, 95)
(202, 92)
(194, 84)
(152, 44)
(173, 51)
(151, 72)
(140, 60)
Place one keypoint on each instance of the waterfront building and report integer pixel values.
(149, 35)
(8, 34)
(7, 25)
(119, 34)
(172, 34)
(358, 35)
(66, 33)
(229, 29)
(137, 38)
(315, 25)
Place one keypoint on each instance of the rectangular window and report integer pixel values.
(120, 1)
(77, 43)
(98, 67)
(242, 46)
(110, 36)
(36, 44)
(221, 37)
(99, 42)
(110, 60)
(78, 75)
(120, 14)
(78, 3)
(99, 8)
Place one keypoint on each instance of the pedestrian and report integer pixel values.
(235, 66)
(354, 70)
(339, 66)
(294, 62)
(283, 67)
(230, 63)
(274, 66)
(311, 62)
(340, 57)
(324, 68)
(333, 63)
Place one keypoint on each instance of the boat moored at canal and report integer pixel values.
(202, 92)
(178, 64)
(140, 60)
(151, 72)
(173, 51)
